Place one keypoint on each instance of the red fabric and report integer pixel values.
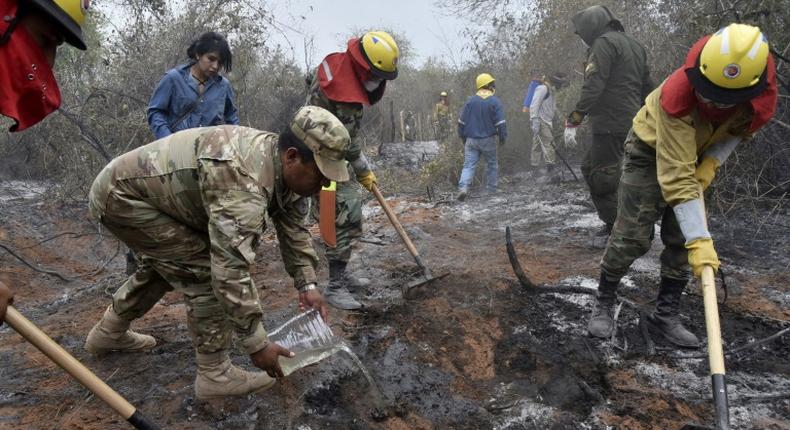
(678, 98)
(28, 89)
(348, 69)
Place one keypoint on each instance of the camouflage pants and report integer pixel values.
(172, 256)
(601, 170)
(541, 145)
(348, 220)
(640, 206)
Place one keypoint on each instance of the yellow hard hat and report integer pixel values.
(70, 14)
(733, 61)
(443, 94)
(483, 79)
(382, 53)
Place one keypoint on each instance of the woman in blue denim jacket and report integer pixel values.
(194, 94)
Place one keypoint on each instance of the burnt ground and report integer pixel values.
(474, 350)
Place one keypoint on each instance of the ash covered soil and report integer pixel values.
(474, 350)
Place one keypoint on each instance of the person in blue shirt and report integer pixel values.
(194, 94)
(482, 118)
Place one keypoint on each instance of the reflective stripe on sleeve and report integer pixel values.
(722, 150)
(691, 217)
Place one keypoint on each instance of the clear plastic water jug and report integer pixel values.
(309, 337)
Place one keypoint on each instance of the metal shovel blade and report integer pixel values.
(409, 290)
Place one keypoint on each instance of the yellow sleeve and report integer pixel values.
(676, 155)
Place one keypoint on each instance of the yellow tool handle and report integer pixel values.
(715, 350)
(62, 358)
(394, 220)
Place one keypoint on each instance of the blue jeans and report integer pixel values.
(473, 149)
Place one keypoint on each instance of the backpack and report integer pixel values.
(531, 92)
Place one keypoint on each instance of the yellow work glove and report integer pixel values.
(367, 180)
(701, 254)
(706, 171)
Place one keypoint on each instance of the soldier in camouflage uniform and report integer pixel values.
(193, 205)
(343, 84)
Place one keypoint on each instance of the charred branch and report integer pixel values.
(748, 346)
(511, 255)
(48, 272)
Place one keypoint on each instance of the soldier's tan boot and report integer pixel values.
(112, 333)
(218, 377)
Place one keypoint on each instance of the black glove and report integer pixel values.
(501, 142)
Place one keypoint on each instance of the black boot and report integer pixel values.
(601, 321)
(336, 293)
(664, 321)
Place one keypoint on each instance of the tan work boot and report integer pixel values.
(112, 333)
(218, 377)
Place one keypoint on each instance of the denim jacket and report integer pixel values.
(175, 94)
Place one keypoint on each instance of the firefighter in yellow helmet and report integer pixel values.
(343, 84)
(689, 125)
(30, 33)
(482, 118)
(441, 119)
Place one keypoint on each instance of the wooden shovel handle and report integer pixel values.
(712, 324)
(394, 220)
(62, 358)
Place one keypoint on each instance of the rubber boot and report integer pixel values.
(351, 282)
(462, 193)
(112, 333)
(601, 321)
(664, 320)
(218, 377)
(336, 293)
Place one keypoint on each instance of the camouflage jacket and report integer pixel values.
(350, 114)
(223, 181)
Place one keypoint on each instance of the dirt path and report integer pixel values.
(472, 351)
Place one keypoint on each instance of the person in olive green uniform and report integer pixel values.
(616, 81)
(442, 120)
(193, 206)
(343, 84)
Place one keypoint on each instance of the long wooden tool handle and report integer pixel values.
(394, 220)
(62, 358)
(715, 350)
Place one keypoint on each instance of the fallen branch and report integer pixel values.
(73, 236)
(511, 255)
(101, 268)
(48, 272)
(545, 289)
(760, 397)
(748, 346)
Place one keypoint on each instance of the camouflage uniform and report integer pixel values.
(193, 205)
(348, 206)
(442, 123)
(640, 204)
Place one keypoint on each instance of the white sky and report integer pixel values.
(430, 31)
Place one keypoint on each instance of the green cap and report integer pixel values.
(327, 137)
